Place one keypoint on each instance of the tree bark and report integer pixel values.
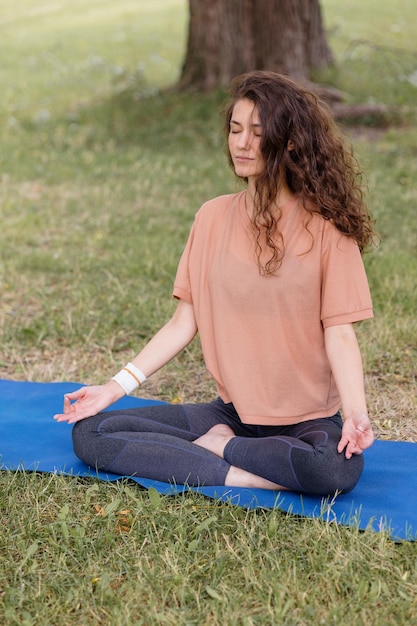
(229, 37)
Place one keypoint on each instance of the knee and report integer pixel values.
(331, 472)
(88, 442)
(81, 440)
(341, 474)
(351, 471)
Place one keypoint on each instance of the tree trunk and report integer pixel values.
(229, 37)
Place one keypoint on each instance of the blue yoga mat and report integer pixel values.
(385, 498)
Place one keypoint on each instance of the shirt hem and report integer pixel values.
(182, 294)
(288, 420)
(348, 318)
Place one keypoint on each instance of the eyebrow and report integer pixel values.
(257, 125)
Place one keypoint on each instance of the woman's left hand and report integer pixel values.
(357, 435)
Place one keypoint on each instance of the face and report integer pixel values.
(245, 139)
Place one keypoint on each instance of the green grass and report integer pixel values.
(100, 176)
(52, 50)
(82, 552)
(374, 46)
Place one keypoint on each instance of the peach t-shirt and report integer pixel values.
(262, 336)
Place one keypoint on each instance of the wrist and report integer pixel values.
(116, 390)
(359, 417)
(129, 378)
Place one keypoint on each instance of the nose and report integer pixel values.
(244, 140)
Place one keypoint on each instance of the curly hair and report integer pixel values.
(300, 138)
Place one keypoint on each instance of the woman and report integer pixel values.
(272, 279)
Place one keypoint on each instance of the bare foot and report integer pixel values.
(216, 439)
(237, 477)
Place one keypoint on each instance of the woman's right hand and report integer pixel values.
(88, 401)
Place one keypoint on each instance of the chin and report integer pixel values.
(243, 172)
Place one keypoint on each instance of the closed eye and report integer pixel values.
(236, 128)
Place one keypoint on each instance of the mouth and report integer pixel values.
(243, 159)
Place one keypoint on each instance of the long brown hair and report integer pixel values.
(300, 138)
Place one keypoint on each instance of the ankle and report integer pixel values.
(237, 477)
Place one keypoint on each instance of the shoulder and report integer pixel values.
(217, 207)
(215, 217)
(327, 232)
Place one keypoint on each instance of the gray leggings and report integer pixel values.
(155, 442)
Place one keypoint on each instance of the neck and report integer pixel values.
(283, 198)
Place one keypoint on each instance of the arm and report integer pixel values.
(177, 333)
(346, 362)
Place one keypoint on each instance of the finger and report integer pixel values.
(67, 405)
(342, 444)
(71, 418)
(369, 440)
(349, 448)
(61, 417)
(75, 395)
(348, 452)
(69, 410)
(353, 448)
(77, 418)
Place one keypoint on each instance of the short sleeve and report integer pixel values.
(345, 291)
(182, 286)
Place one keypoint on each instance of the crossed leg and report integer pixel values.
(215, 440)
(209, 445)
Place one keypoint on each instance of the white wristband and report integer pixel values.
(129, 378)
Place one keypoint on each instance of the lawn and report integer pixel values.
(101, 172)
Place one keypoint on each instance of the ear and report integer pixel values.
(290, 145)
